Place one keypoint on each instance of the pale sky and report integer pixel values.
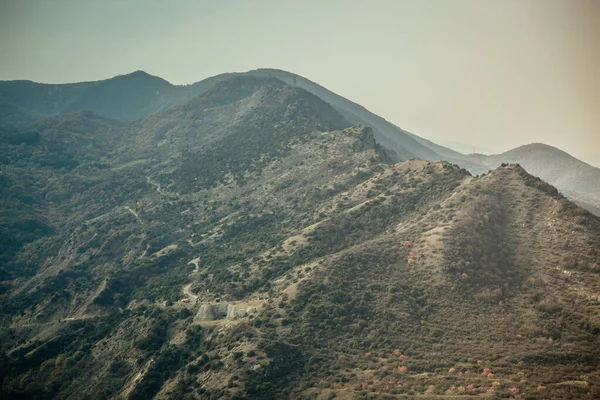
(490, 74)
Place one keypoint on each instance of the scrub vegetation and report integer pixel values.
(251, 243)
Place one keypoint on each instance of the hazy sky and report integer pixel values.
(490, 74)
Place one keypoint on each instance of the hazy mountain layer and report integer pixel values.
(125, 98)
(576, 179)
(138, 95)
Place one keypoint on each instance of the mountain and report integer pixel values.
(125, 98)
(386, 133)
(234, 115)
(251, 242)
(576, 179)
(135, 96)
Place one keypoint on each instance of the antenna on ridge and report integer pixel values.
(294, 81)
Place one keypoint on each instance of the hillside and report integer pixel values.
(252, 243)
(35, 159)
(469, 297)
(390, 136)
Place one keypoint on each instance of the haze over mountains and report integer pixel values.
(134, 96)
(257, 236)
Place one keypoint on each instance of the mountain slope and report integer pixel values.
(576, 179)
(124, 237)
(459, 292)
(386, 133)
(36, 158)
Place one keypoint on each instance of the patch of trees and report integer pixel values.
(42, 369)
(16, 137)
(480, 249)
(52, 287)
(284, 361)
(248, 146)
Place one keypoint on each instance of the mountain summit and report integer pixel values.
(576, 179)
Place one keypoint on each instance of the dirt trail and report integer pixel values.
(188, 292)
(196, 264)
(134, 214)
(158, 188)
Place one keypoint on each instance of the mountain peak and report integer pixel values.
(138, 72)
(540, 147)
(140, 76)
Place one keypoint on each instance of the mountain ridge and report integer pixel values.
(134, 104)
(574, 177)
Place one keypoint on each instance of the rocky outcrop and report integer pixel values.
(365, 140)
(234, 312)
(212, 312)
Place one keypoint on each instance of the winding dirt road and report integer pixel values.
(188, 292)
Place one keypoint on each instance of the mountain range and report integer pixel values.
(255, 235)
(137, 95)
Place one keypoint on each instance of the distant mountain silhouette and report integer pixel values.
(125, 97)
(573, 177)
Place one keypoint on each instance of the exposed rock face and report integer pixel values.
(211, 312)
(234, 312)
(366, 140)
